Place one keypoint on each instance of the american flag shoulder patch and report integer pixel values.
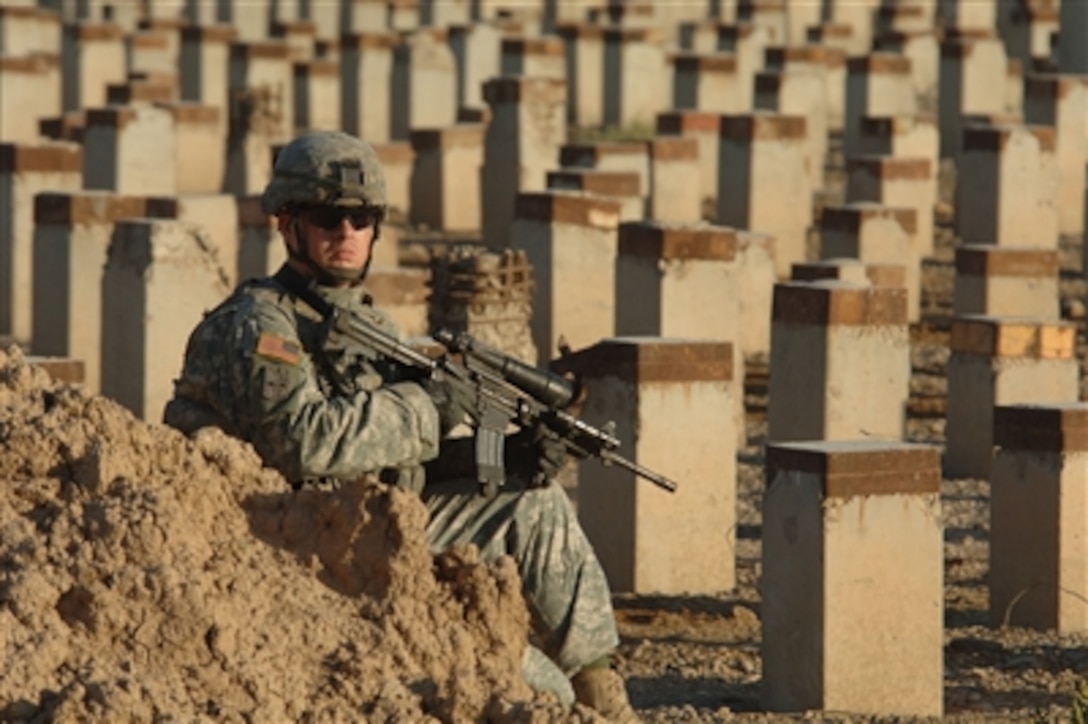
(278, 348)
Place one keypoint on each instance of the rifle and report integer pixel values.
(505, 390)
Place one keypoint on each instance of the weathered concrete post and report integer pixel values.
(675, 193)
(907, 183)
(853, 578)
(664, 395)
(445, 185)
(705, 128)
(1061, 102)
(972, 81)
(570, 241)
(366, 77)
(876, 85)
(130, 150)
(854, 380)
(1038, 510)
(1007, 281)
(1001, 361)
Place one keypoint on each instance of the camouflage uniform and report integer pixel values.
(262, 367)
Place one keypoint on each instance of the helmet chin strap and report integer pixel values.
(327, 277)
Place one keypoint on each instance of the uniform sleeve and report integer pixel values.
(303, 433)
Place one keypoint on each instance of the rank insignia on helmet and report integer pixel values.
(277, 348)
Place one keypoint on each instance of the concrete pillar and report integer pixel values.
(262, 88)
(217, 217)
(901, 137)
(584, 53)
(843, 37)
(24, 107)
(705, 129)
(622, 187)
(972, 81)
(570, 241)
(477, 54)
(300, 37)
(840, 362)
(1037, 518)
(366, 77)
(151, 264)
(664, 395)
(252, 18)
(25, 29)
(1073, 27)
(876, 234)
(879, 84)
(978, 15)
(71, 236)
(748, 43)
(798, 93)
(800, 16)
(1008, 180)
(539, 57)
(1061, 102)
(1001, 361)
(130, 150)
(1007, 282)
(141, 91)
(664, 271)
(635, 77)
(853, 579)
(445, 13)
(898, 182)
(445, 185)
(424, 84)
(25, 171)
(150, 52)
(675, 194)
(93, 57)
(763, 182)
(758, 272)
(204, 68)
(199, 161)
(261, 249)
(709, 83)
(317, 95)
(922, 48)
(1028, 32)
(397, 159)
(769, 16)
(610, 156)
(827, 63)
(520, 146)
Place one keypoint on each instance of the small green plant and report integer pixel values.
(636, 132)
(1080, 703)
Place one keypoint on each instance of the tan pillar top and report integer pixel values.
(515, 89)
(994, 137)
(643, 360)
(86, 207)
(661, 240)
(1057, 428)
(48, 157)
(704, 62)
(605, 183)
(1019, 337)
(533, 46)
(879, 63)
(673, 148)
(463, 135)
(568, 207)
(209, 33)
(762, 126)
(860, 467)
(681, 122)
(851, 217)
(828, 303)
(362, 41)
(892, 168)
(575, 154)
(1005, 261)
(90, 32)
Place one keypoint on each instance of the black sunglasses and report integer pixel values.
(330, 217)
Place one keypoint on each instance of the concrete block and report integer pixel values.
(901, 137)
(635, 77)
(903, 183)
(93, 56)
(216, 215)
(626, 156)
(620, 186)
(71, 236)
(675, 194)
(542, 57)
(971, 79)
(445, 185)
(664, 395)
(261, 248)
(705, 128)
(797, 93)
(570, 241)
(424, 84)
(199, 161)
(397, 159)
(1008, 178)
(851, 270)
(1001, 361)
(317, 95)
(853, 579)
(25, 171)
(1037, 518)
(708, 83)
(366, 82)
(758, 272)
(763, 183)
(477, 54)
(1007, 282)
(922, 48)
(828, 63)
(584, 56)
(1061, 102)
(30, 94)
(262, 88)
(130, 150)
(876, 234)
(879, 84)
(840, 362)
(204, 67)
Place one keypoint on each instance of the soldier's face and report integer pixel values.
(337, 240)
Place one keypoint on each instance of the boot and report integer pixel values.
(602, 690)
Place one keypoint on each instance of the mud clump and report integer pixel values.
(148, 576)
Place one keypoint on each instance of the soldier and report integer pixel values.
(262, 367)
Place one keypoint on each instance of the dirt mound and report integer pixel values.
(146, 576)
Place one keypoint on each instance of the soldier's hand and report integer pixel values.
(453, 402)
(536, 453)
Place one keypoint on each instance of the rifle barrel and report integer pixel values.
(611, 458)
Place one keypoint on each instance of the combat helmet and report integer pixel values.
(325, 167)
